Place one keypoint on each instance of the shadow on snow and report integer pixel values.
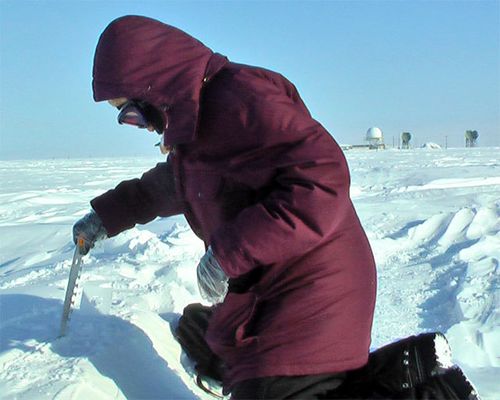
(440, 312)
(118, 349)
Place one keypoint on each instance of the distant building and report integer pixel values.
(375, 138)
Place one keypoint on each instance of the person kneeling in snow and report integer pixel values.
(266, 187)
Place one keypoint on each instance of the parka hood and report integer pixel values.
(142, 58)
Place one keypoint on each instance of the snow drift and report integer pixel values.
(433, 219)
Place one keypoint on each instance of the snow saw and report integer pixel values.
(74, 274)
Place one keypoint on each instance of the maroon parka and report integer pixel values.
(260, 181)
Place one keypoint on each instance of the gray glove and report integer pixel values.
(212, 280)
(91, 229)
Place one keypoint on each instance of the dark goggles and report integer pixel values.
(141, 114)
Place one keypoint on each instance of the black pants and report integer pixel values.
(287, 387)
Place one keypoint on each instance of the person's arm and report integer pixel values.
(139, 201)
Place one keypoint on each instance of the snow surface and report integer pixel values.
(432, 216)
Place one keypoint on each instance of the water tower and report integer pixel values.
(471, 138)
(406, 137)
(375, 137)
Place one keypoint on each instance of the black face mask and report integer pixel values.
(141, 114)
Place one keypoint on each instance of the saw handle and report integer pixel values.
(80, 243)
(89, 228)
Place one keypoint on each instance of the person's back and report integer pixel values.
(282, 207)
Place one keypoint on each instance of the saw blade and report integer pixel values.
(74, 273)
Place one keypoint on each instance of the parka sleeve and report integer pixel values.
(139, 201)
(307, 201)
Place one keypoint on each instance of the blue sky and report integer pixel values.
(428, 67)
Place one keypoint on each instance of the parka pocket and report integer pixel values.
(231, 322)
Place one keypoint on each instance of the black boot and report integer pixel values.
(397, 367)
(451, 385)
(410, 362)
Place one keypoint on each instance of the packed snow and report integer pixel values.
(432, 217)
(431, 145)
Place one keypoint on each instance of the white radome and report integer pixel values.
(374, 133)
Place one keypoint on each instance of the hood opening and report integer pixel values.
(142, 58)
